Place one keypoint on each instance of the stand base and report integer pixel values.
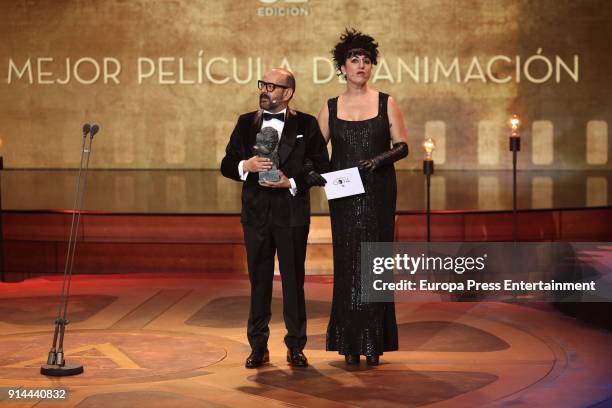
(61, 371)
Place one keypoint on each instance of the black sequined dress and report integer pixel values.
(356, 327)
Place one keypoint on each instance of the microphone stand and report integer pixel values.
(56, 364)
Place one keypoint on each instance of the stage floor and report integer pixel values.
(161, 340)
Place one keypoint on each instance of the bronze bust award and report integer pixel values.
(267, 146)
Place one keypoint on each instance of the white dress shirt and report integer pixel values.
(279, 125)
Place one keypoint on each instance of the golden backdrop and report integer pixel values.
(166, 80)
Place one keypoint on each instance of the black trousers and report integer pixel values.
(262, 242)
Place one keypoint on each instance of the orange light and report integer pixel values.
(429, 145)
(514, 123)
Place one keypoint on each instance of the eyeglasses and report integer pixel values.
(270, 87)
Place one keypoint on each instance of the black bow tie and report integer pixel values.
(269, 116)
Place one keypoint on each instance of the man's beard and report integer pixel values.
(266, 103)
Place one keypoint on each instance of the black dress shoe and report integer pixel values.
(372, 360)
(257, 359)
(351, 359)
(296, 358)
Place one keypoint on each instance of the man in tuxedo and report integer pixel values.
(275, 216)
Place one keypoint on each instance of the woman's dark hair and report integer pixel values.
(353, 42)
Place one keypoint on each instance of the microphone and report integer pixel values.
(86, 129)
(94, 129)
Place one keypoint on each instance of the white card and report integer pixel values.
(343, 183)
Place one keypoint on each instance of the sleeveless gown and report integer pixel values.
(356, 327)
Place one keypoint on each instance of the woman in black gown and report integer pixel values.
(362, 123)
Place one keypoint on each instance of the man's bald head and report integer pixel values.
(288, 79)
(279, 97)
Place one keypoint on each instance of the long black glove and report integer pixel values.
(312, 178)
(315, 179)
(398, 151)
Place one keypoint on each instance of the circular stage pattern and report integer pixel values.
(111, 356)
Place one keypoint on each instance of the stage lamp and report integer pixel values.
(515, 147)
(515, 138)
(1, 232)
(514, 123)
(429, 145)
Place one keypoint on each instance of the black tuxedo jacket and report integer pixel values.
(300, 141)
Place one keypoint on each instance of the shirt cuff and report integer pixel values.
(293, 189)
(241, 173)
